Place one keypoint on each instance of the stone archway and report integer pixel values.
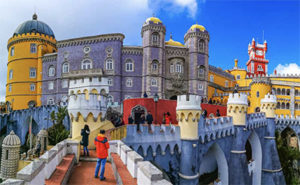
(213, 160)
(137, 112)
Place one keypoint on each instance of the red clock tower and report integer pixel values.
(257, 63)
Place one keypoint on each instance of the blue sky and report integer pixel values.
(231, 25)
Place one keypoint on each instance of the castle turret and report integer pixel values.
(268, 105)
(237, 108)
(188, 112)
(259, 88)
(10, 156)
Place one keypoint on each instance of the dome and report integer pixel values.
(197, 26)
(155, 20)
(11, 140)
(171, 42)
(43, 132)
(34, 26)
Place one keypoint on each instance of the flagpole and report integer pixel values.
(30, 131)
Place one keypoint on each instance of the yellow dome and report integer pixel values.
(200, 27)
(155, 20)
(171, 42)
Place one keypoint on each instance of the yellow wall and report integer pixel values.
(263, 89)
(21, 63)
(188, 122)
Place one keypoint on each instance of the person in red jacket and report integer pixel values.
(102, 147)
(168, 118)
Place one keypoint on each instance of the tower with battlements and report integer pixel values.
(237, 108)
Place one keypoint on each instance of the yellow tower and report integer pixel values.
(259, 88)
(188, 113)
(268, 105)
(31, 40)
(237, 108)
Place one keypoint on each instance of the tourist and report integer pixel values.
(142, 120)
(204, 114)
(130, 120)
(168, 118)
(102, 147)
(164, 119)
(38, 148)
(149, 120)
(210, 101)
(85, 132)
(218, 113)
(145, 95)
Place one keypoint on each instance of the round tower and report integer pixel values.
(153, 35)
(268, 105)
(197, 39)
(43, 138)
(30, 41)
(259, 88)
(10, 155)
(188, 113)
(237, 108)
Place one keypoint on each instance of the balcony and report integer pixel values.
(83, 73)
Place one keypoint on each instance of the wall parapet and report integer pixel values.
(256, 120)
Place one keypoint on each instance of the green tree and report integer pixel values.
(57, 132)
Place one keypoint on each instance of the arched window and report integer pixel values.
(201, 45)
(211, 78)
(282, 105)
(257, 94)
(10, 74)
(171, 68)
(278, 91)
(129, 67)
(109, 64)
(296, 106)
(51, 71)
(155, 38)
(201, 71)
(278, 105)
(65, 67)
(288, 92)
(238, 77)
(110, 82)
(32, 48)
(296, 92)
(154, 65)
(179, 68)
(129, 82)
(110, 98)
(153, 82)
(12, 51)
(32, 87)
(283, 92)
(86, 64)
(287, 106)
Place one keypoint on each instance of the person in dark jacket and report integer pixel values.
(85, 132)
(102, 147)
(218, 113)
(204, 114)
(130, 120)
(149, 119)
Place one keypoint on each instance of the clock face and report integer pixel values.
(259, 52)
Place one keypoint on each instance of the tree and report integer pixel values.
(57, 132)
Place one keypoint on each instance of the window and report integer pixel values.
(211, 79)
(226, 83)
(201, 45)
(6, 154)
(65, 67)
(10, 74)
(50, 85)
(110, 82)
(50, 101)
(257, 94)
(200, 72)
(32, 48)
(238, 77)
(154, 65)
(259, 68)
(51, 71)
(129, 82)
(155, 38)
(129, 66)
(153, 82)
(110, 98)
(178, 68)
(200, 87)
(252, 67)
(12, 51)
(109, 64)
(32, 87)
(64, 84)
(9, 88)
(32, 73)
(86, 64)
(171, 68)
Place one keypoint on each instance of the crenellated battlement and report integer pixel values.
(268, 105)
(188, 102)
(238, 98)
(269, 98)
(95, 85)
(256, 120)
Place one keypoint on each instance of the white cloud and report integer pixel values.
(291, 68)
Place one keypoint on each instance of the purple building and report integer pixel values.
(167, 68)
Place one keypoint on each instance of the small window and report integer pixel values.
(238, 77)
(153, 82)
(172, 68)
(65, 67)
(211, 79)
(129, 66)
(9, 88)
(155, 38)
(257, 94)
(201, 45)
(201, 72)
(109, 64)
(6, 154)
(129, 82)
(50, 85)
(86, 64)
(12, 51)
(226, 83)
(64, 84)
(32, 87)
(10, 74)
(178, 68)
(110, 82)
(32, 73)
(50, 101)
(200, 87)
(154, 65)
(32, 48)
(51, 71)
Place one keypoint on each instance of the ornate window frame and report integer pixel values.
(201, 45)
(84, 66)
(109, 67)
(32, 72)
(153, 82)
(33, 48)
(129, 82)
(155, 38)
(63, 67)
(129, 62)
(51, 71)
(110, 81)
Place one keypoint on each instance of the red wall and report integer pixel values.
(163, 106)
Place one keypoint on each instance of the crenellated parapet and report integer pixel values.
(188, 112)
(256, 120)
(237, 108)
(215, 128)
(268, 105)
